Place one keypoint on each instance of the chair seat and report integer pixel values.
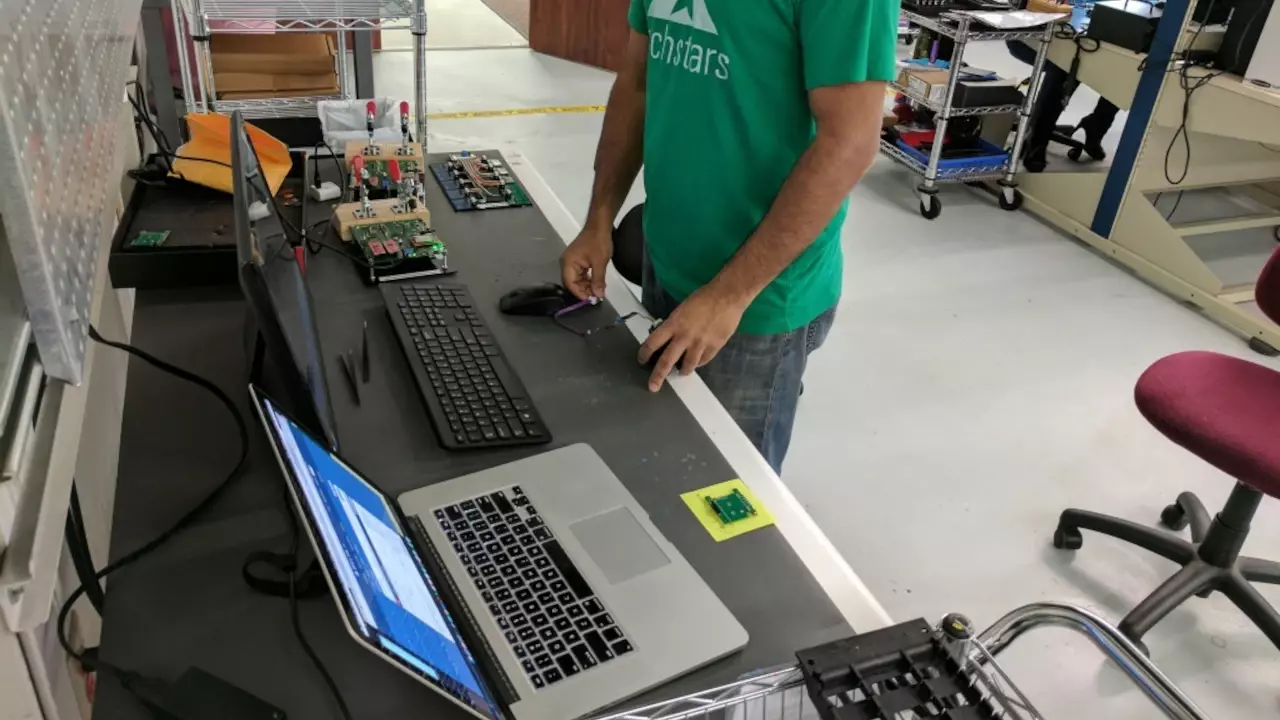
(1223, 409)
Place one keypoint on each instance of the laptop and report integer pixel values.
(537, 590)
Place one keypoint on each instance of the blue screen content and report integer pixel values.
(392, 601)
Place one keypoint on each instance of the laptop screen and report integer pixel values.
(389, 597)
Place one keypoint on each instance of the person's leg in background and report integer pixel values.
(757, 378)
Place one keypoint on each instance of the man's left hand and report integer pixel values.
(698, 329)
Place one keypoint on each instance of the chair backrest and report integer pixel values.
(1267, 291)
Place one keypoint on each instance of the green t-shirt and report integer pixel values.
(727, 118)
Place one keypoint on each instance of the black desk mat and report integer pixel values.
(187, 605)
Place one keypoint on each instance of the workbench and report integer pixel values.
(1234, 133)
(187, 605)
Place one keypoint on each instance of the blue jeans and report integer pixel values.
(756, 377)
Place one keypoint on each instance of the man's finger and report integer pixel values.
(666, 364)
(656, 339)
(597, 278)
(692, 359)
(575, 280)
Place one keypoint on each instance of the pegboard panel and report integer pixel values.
(62, 74)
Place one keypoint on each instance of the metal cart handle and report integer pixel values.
(1116, 646)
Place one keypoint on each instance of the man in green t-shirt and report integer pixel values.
(753, 119)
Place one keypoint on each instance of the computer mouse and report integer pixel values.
(546, 299)
(657, 355)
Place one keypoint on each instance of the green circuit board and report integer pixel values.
(732, 507)
(394, 241)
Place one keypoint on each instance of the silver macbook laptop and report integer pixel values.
(538, 590)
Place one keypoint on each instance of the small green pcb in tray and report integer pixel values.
(732, 507)
(149, 239)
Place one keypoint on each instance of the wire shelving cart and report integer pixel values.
(912, 670)
(198, 19)
(963, 29)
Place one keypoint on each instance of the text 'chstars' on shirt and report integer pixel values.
(698, 51)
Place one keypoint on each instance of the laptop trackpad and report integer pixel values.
(618, 545)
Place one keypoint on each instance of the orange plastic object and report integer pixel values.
(211, 140)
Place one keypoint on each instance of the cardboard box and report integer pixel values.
(929, 83)
(285, 53)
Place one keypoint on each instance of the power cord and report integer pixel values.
(1189, 86)
(132, 681)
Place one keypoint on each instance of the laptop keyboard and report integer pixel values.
(555, 624)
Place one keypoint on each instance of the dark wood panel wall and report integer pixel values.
(593, 32)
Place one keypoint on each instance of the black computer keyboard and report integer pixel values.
(554, 623)
(474, 398)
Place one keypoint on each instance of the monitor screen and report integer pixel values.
(275, 288)
(389, 598)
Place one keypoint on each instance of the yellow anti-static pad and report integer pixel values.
(697, 502)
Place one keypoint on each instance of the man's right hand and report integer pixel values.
(582, 266)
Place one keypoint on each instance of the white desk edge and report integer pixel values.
(846, 590)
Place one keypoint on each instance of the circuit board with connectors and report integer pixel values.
(399, 249)
(474, 181)
(731, 508)
(379, 178)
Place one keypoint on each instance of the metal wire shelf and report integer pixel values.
(973, 174)
(958, 27)
(955, 111)
(782, 693)
(274, 107)
(316, 12)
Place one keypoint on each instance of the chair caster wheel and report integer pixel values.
(1010, 200)
(1074, 154)
(1067, 538)
(1262, 347)
(1174, 518)
(930, 207)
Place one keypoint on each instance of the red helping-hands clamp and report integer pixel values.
(372, 107)
(393, 169)
(404, 108)
(357, 166)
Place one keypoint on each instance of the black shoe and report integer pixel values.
(1035, 159)
(1094, 131)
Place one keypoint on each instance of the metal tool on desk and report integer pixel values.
(571, 599)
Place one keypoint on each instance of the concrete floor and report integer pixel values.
(978, 380)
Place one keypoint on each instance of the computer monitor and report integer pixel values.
(277, 293)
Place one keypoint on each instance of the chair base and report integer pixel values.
(1211, 562)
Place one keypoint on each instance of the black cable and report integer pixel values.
(78, 548)
(1176, 202)
(93, 663)
(1189, 86)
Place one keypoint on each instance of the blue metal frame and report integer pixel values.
(1144, 103)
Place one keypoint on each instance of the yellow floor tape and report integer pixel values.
(548, 110)
(552, 110)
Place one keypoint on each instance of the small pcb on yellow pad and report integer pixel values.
(727, 510)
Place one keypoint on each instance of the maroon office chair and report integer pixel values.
(1227, 412)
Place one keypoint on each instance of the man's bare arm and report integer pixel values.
(620, 152)
(619, 157)
(848, 119)
(848, 139)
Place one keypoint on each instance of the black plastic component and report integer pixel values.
(932, 210)
(895, 672)
(1068, 538)
(1010, 204)
(198, 695)
(1174, 518)
(1262, 347)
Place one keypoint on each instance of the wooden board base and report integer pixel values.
(344, 216)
